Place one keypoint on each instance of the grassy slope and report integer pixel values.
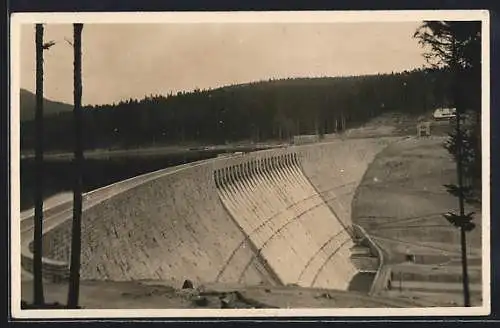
(400, 203)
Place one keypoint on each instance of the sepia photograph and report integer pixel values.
(238, 164)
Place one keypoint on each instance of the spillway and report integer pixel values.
(279, 216)
(287, 221)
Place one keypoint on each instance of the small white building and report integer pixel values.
(444, 113)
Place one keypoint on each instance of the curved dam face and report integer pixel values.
(280, 216)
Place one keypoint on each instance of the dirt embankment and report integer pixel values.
(400, 203)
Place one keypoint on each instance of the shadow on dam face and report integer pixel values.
(279, 216)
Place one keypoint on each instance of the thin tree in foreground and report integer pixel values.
(454, 45)
(74, 278)
(461, 220)
(38, 297)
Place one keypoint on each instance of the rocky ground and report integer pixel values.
(161, 295)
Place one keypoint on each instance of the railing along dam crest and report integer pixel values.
(252, 166)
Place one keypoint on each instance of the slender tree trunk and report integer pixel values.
(463, 241)
(38, 298)
(459, 146)
(74, 279)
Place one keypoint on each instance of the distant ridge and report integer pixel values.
(28, 102)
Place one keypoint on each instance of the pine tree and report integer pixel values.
(454, 46)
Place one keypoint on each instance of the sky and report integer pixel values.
(122, 61)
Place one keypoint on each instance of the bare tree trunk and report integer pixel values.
(74, 279)
(38, 298)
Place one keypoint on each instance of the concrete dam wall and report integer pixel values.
(286, 219)
(279, 216)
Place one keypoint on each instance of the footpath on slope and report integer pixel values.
(400, 203)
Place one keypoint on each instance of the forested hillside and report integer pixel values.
(28, 103)
(275, 109)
